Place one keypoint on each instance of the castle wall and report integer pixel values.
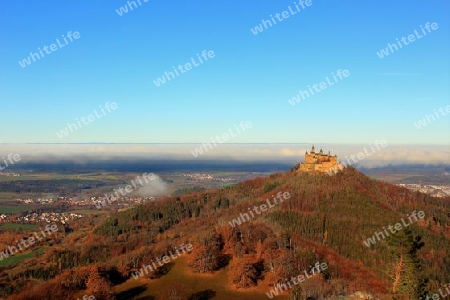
(316, 162)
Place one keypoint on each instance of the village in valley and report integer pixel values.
(438, 191)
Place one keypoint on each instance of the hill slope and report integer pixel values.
(313, 219)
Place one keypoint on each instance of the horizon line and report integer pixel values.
(197, 143)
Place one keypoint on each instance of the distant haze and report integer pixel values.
(154, 157)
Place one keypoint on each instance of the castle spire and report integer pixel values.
(312, 149)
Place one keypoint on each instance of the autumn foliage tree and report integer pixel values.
(243, 272)
(206, 256)
(98, 286)
(174, 291)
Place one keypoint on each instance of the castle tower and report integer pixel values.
(319, 162)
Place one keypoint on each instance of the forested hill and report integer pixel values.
(314, 218)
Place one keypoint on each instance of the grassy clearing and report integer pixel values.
(14, 226)
(193, 283)
(12, 260)
(15, 259)
(15, 209)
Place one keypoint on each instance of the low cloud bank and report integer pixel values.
(276, 156)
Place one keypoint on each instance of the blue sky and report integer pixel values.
(251, 77)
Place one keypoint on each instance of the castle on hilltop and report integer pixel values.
(319, 162)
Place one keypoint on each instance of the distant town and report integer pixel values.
(8, 174)
(58, 208)
(205, 176)
(36, 218)
(438, 191)
(91, 201)
(63, 217)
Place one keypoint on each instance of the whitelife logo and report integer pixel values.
(124, 9)
(31, 240)
(398, 227)
(11, 158)
(284, 15)
(411, 38)
(441, 294)
(244, 217)
(423, 122)
(165, 260)
(90, 118)
(87, 297)
(225, 137)
(323, 85)
(162, 80)
(128, 189)
(27, 61)
(360, 157)
(280, 287)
